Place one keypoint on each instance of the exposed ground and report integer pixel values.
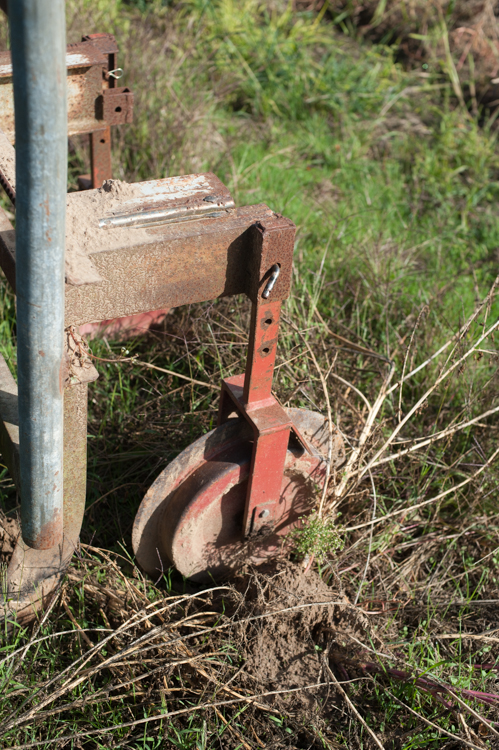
(386, 159)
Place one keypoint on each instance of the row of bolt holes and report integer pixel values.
(268, 322)
(117, 109)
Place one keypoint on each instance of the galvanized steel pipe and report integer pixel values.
(38, 43)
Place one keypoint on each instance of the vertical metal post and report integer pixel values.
(100, 156)
(38, 42)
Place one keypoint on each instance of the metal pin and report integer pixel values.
(275, 271)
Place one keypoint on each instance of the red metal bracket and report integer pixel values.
(272, 428)
(100, 156)
(251, 394)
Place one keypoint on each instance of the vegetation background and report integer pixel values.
(372, 125)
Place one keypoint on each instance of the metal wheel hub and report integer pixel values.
(192, 516)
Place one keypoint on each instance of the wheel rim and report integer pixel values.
(192, 514)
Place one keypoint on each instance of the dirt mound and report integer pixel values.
(290, 615)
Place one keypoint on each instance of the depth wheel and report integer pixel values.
(192, 515)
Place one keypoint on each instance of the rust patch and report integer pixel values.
(50, 534)
(267, 319)
(100, 156)
(87, 63)
(41, 352)
(265, 348)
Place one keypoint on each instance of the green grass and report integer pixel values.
(393, 187)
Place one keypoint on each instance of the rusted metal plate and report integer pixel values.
(100, 157)
(117, 105)
(163, 248)
(173, 265)
(273, 245)
(191, 516)
(121, 216)
(106, 43)
(157, 245)
(164, 243)
(79, 55)
(87, 67)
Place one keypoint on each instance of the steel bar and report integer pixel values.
(262, 350)
(37, 30)
(100, 156)
(161, 216)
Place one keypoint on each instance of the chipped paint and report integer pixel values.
(172, 189)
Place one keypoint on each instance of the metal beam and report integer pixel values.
(94, 102)
(178, 264)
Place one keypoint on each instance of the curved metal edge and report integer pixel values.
(214, 444)
(207, 447)
(198, 503)
(34, 575)
(32, 578)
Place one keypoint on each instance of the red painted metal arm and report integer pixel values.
(251, 395)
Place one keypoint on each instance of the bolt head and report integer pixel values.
(265, 513)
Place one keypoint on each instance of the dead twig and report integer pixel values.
(370, 541)
(435, 726)
(352, 707)
(161, 716)
(426, 502)
(329, 415)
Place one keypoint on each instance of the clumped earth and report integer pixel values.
(290, 610)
